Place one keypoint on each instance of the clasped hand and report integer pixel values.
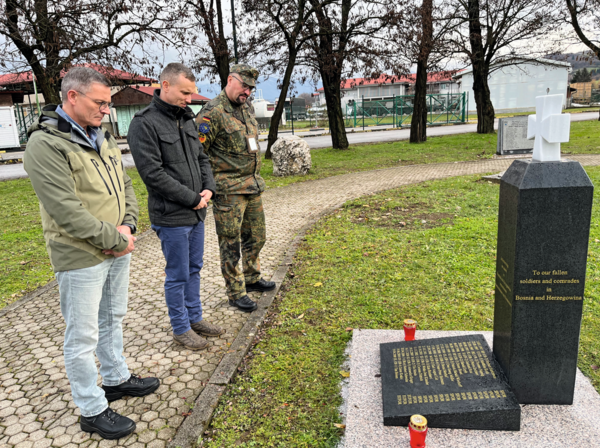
(125, 230)
(205, 197)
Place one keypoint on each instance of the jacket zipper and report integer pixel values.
(114, 163)
(95, 163)
(107, 167)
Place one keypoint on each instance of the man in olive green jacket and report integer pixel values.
(89, 213)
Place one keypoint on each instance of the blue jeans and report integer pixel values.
(183, 248)
(93, 302)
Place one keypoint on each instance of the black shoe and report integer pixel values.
(108, 424)
(135, 386)
(244, 304)
(261, 285)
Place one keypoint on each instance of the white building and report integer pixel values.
(386, 87)
(514, 88)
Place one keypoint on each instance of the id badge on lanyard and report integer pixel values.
(252, 144)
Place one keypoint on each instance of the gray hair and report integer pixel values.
(80, 79)
(172, 71)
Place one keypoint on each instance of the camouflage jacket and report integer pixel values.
(235, 169)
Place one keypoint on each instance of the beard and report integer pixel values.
(241, 99)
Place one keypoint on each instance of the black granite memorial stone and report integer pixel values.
(454, 382)
(543, 231)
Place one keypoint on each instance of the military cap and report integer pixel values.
(249, 74)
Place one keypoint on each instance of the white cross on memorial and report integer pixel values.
(550, 128)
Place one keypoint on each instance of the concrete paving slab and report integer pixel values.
(541, 426)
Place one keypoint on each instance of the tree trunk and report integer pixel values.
(48, 86)
(418, 124)
(485, 108)
(276, 118)
(481, 90)
(222, 56)
(337, 127)
(223, 67)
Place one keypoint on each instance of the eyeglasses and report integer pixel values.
(101, 104)
(244, 85)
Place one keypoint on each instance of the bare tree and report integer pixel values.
(421, 37)
(418, 124)
(347, 36)
(493, 31)
(584, 17)
(208, 16)
(48, 36)
(279, 26)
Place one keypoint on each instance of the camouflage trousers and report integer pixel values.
(240, 224)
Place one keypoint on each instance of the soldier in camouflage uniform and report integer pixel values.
(229, 132)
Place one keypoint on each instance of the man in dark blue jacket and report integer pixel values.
(169, 157)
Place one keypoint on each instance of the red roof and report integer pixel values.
(387, 79)
(20, 78)
(150, 91)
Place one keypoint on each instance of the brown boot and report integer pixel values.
(190, 340)
(207, 329)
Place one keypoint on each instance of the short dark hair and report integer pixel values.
(172, 71)
(80, 79)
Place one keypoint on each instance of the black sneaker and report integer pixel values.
(108, 424)
(135, 386)
(261, 285)
(244, 303)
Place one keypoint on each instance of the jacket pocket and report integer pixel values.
(97, 166)
(231, 126)
(171, 148)
(192, 137)
(118, 172)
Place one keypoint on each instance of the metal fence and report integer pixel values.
(25, 115)
(442, 108)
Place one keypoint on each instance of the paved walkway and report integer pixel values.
(36, 409)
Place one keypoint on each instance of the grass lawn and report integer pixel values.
(574, 110)
(424, 251)
(326, 162)
(24, 263)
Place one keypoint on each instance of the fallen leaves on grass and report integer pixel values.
(344, 373)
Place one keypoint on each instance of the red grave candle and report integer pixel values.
(409, 329)
(418, 431)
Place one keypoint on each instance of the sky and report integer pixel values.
(268, 87)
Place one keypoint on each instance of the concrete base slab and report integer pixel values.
(541, 426)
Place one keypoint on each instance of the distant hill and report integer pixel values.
(577, 60)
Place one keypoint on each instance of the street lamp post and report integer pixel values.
(292, 110)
